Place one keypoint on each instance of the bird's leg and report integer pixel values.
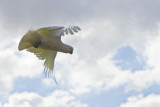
(36, 44)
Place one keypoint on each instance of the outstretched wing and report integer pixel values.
(58, 31)
(47, 55)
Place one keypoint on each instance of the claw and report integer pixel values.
(36, 44)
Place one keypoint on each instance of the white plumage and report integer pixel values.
(45, 42)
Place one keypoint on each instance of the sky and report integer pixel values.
(115, 62)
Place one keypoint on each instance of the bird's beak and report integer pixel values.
(71, 51)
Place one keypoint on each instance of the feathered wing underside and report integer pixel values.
(47, 55)
(58, 31)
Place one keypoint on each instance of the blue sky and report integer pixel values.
(126, 58)
(115, 61)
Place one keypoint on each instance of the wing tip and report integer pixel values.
(71, 30)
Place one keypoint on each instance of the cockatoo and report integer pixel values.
(46, 42)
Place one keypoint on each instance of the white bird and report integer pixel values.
(45, 42)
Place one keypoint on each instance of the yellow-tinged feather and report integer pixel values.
(47, 32)
(28, 39)
(47, 55)
(45, 42)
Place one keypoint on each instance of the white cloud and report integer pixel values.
(82, 76)
(17, 14)
(90, 67)
(101, 73)
(151, 100)
(14, 64)
(152, 50)
(106, 26)
(55, 99)
(150, 75)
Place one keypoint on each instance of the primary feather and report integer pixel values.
(45, 42)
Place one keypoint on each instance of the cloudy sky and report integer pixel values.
(115, 61)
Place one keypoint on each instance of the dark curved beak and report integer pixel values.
(71, 51)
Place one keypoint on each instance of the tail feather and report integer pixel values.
(47, 55)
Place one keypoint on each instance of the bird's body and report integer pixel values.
(51, 43)
(45, 42)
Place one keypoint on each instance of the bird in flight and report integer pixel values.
(46, 42)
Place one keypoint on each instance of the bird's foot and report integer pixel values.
(36, 44)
